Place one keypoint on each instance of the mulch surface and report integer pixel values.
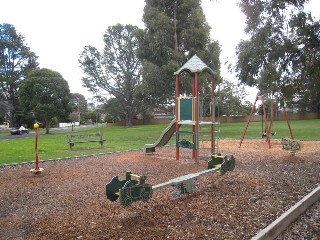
(67, 200)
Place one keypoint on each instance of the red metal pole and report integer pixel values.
(36, 169)
(196, 116)
(193, 84)
(36, 148)
(177, 113)
(248, 121)
(287, 118)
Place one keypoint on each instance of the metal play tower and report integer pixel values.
(187, 109)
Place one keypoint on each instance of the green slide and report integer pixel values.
(163, 139)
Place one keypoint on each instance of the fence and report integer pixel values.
(255, 118)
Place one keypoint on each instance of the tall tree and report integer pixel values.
(282, 57)
(116, 70)
(16, 59)
(46, 93)
(79, 106)
(175, 31)
(230, 100)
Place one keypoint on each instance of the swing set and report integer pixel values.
(268, 128)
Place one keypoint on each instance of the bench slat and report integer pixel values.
(72, 138)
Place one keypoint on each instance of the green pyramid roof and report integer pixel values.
(195, 65)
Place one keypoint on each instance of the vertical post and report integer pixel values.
(248, 121)
(213, 145)
(78, 110)
(194, 137)
(287, 118)
(36, 169)
(196, 116)
(177, 113)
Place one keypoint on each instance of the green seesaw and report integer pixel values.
(134, 188)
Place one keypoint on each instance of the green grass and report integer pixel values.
(301, 129)
(118, 138)
(55, 144)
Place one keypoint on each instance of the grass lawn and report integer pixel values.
(301, 129)
(118, 138)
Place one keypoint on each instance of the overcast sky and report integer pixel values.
(58, 30)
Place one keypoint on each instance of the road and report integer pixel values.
(42, 131)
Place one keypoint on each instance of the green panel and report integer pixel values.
(185, 108)
(186, 143)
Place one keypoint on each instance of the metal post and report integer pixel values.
(177, 113)
(287, 118)
(196, 117)
(78, 110)
(213, 144)
(248, 121)
(36, 169)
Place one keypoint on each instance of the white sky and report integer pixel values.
(57, 31)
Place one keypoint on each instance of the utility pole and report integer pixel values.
(78, 110)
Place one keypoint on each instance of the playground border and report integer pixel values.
(280, 224)
(67, 158)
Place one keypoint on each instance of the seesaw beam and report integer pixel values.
(134, 187)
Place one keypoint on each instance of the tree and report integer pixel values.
(5, 108)
(79, 106)
(47, 94)
(175, 31)
(16, 60)
(117, 69)
(113, 113)
(230, 100)
(282, 57)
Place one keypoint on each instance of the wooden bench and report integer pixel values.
(85, 138)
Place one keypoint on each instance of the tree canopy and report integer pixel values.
(46, 94)
(16, 59)
(230, 100)
(117, 69)
(175, 31)
(282, 56)
(79, 106)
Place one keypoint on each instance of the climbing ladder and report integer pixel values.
(206, 133)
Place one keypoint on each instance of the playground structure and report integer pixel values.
(134, 188)
(268, 127)
(187, 113)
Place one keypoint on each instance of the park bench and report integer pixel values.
(85, 138)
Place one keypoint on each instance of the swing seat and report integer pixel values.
(264, 135)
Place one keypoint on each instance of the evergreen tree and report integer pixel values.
(116, 70)
(16, 59)
(282, 56)
(47, 95)
(175, 31)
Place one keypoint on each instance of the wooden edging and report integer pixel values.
(280, 224)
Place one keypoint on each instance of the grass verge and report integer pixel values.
(118, 138)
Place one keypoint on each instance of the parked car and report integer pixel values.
(19, 131)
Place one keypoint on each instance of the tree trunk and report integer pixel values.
(176, 47)
(129, 116)
(47, 126)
